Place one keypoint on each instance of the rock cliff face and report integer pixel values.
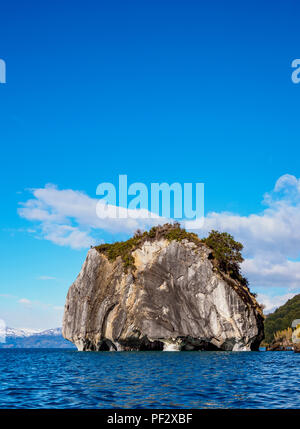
(173, 299)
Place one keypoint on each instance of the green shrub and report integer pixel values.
(124, 249)
(227, 253)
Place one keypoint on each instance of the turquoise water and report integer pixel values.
(39, 378)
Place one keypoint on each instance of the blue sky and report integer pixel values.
(174, 91)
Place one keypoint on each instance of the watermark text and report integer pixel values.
(138, 201)
(2, 71)
(296, 73)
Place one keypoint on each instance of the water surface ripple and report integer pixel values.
(40, 378)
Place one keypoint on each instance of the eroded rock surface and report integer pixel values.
(174, 299)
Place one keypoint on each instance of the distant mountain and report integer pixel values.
(282, 318)
(21, 333)
(29, 338)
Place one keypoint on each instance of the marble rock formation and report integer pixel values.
(172, 299)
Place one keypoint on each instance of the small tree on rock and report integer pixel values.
(227, 252)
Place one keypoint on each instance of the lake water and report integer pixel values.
(39, 378)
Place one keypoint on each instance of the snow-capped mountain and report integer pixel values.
(34, 338)
(50, 332)
(21, 333)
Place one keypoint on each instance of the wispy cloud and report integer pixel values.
(46, 278)
(8, 295)
(32, 303)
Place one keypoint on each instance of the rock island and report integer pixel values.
(165, 289)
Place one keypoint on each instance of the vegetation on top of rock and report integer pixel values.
(282, 318)
(226, 252)
(125, 248)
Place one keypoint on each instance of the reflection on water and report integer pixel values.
(69, 379)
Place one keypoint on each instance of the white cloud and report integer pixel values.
(265, 273)
(24, 301)
(273, 302)
(285, 181)
(68, 218)
(66, 235)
